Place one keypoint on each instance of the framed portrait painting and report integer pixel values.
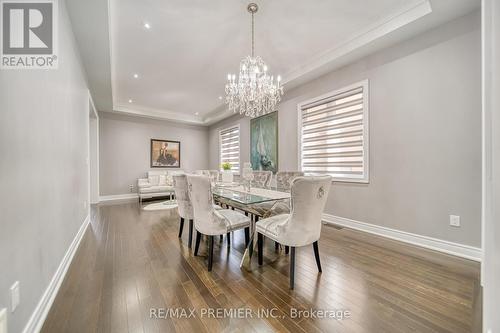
(165, 154)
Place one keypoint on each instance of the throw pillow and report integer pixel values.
(154, 180)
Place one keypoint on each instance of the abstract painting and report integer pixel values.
(165, 154)
(264, 142)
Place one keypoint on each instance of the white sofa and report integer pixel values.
(157, 184)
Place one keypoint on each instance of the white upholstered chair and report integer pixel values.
(213, 174)
(303, 225)
(284, 179)
(210, 221)
(262, 178)
(184, 204)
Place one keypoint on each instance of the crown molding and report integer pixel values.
(173, 116)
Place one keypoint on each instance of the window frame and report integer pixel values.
(239, 147)
(366, 129)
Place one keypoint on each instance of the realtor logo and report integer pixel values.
(28, 34)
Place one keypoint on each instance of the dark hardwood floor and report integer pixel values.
(130, 262)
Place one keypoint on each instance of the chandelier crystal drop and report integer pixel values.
(254, 92)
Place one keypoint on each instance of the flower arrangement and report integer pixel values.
(226, 166)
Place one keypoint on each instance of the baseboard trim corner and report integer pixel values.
(41, 311)
(116, 197)
(456, 249)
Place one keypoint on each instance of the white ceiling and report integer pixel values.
(183, 60)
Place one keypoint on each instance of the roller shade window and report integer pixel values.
(229, 148)
(334, 134)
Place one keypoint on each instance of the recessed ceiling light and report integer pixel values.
(196, 113)
(136, 76)
(147, 25)
(130, 100)
(220, 97)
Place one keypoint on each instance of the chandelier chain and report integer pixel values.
(253, 43)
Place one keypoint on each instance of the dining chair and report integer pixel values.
(213, 174)
(210, 173)
(184, 206)
(284, 178)
(283, 182)
(262, 178)
(303, 225)
(210, 221)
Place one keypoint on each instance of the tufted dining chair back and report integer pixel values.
(213, 174)
(262, 178)
(182, 195)
(284, 178)
(308, 199)
(206, 220)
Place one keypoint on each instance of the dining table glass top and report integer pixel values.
(256, 195)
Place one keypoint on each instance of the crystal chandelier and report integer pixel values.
(254, 92)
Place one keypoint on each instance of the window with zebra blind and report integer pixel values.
(229, 148)
(333, 134)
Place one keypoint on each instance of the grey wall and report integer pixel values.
(124, 144)
(425, 134)
(43, 172)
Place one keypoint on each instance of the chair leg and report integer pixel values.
(260, 246)
(220, 238)
(181, 227)
(276, 246)
(287, 249)
(316, 254)
(190, 239)
(210, 252)
(197, 243)
(247, 235)
(228, 236)
(292, 268)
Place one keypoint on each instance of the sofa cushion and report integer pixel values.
(154, 180)
(162, 180)
(156, 172)
(156, 189)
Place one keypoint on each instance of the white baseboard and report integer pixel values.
(456, 249)
(115, 197)
(38, 317)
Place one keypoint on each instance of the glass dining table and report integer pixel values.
(258, 202)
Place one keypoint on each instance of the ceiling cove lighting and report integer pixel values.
(254, 92)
